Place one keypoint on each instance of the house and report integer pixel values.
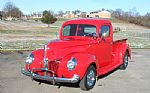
(72, 14)
(10, 18)
(35, 15)
(82, 15)
(69, 14)
(99, 14)
(24, 17)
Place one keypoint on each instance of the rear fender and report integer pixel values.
(84, 60)
(121, 47)
(128, 50)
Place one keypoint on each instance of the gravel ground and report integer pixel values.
(136, 79)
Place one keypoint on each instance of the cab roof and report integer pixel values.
(92, 21)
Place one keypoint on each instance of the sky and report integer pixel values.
(29, 6)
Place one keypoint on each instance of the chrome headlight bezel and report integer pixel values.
(29, 59)
(72, 63)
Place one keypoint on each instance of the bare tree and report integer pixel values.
(132, 16)
(133, 12)
(60, 13)
(11, 10)
(1, 15)
(77, 11)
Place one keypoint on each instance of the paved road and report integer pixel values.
(136, 79)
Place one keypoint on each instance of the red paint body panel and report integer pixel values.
(105, 55)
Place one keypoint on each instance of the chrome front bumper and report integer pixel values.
(74, 79)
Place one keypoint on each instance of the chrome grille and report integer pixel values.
(46, 63)
(53, 66)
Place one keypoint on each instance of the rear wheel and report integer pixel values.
(125, 62)
(89, 79)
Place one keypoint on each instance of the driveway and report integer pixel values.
(135, 79)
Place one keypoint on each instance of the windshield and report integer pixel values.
(79, 30)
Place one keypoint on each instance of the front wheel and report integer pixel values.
(125, 62)
(89, 79)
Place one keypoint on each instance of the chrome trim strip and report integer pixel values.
(45, 59)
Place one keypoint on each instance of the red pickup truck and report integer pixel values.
(84, 51)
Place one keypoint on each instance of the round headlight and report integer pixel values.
(71, 63)
(29, 59)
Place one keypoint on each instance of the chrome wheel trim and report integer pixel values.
(91, 78)
(126, 60)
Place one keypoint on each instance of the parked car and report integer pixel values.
(84, 51)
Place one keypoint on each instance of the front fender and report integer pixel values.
(83, 62)
(38, 58)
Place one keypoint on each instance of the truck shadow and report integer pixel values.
(107, 74)
(76, 85)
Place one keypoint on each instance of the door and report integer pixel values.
(104, 47)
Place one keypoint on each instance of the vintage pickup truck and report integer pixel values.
(84, 51)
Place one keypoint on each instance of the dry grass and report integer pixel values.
(20, 35)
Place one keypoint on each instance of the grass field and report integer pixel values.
(30, 35)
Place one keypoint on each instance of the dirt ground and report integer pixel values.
(136, 79)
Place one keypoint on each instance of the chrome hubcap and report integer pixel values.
(126, 60)
(91, 78)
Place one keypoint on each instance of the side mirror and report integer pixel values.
(103, 35)
(56, 33)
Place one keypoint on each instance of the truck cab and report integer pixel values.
(84, 51)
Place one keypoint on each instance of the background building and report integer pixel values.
(36, 15)
(73, 14)
(99, 14)
(69, 14)
(82, 15)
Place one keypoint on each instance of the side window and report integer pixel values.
(105, 30)
(66, 30)
(69, 30)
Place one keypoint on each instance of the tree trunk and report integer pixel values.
(48, 25)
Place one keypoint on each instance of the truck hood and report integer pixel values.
(67, 43)
(61, 48)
